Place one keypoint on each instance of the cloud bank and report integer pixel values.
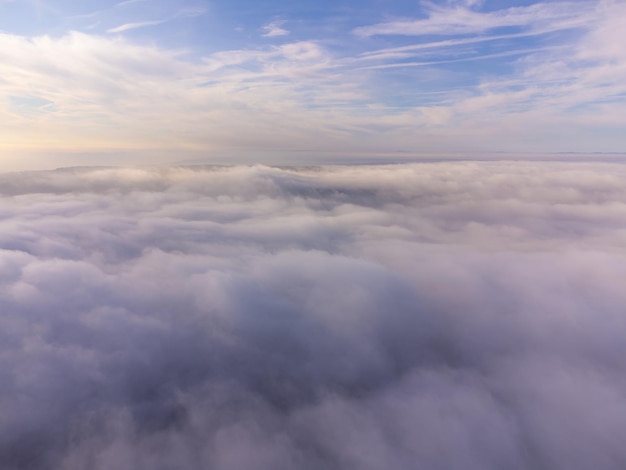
(445, 315)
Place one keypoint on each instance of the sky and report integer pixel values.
(156, 81)
(199, 275)
(436, 315)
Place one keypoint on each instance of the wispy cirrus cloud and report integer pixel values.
(130, 26)
(461, 19)
(184, 13)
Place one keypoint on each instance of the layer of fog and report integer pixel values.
(431, 316)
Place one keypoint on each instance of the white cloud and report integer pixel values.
(274, 29)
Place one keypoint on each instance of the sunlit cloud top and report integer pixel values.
(197, 78)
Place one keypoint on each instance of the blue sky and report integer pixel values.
(155, 80)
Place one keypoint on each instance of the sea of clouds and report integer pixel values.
(467, 315)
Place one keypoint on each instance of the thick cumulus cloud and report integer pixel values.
(431, 316)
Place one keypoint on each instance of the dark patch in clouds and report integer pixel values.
(433, 316)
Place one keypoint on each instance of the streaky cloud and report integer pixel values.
(129, 26)
(455, 19)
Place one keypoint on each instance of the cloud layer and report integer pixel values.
(440, 315)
